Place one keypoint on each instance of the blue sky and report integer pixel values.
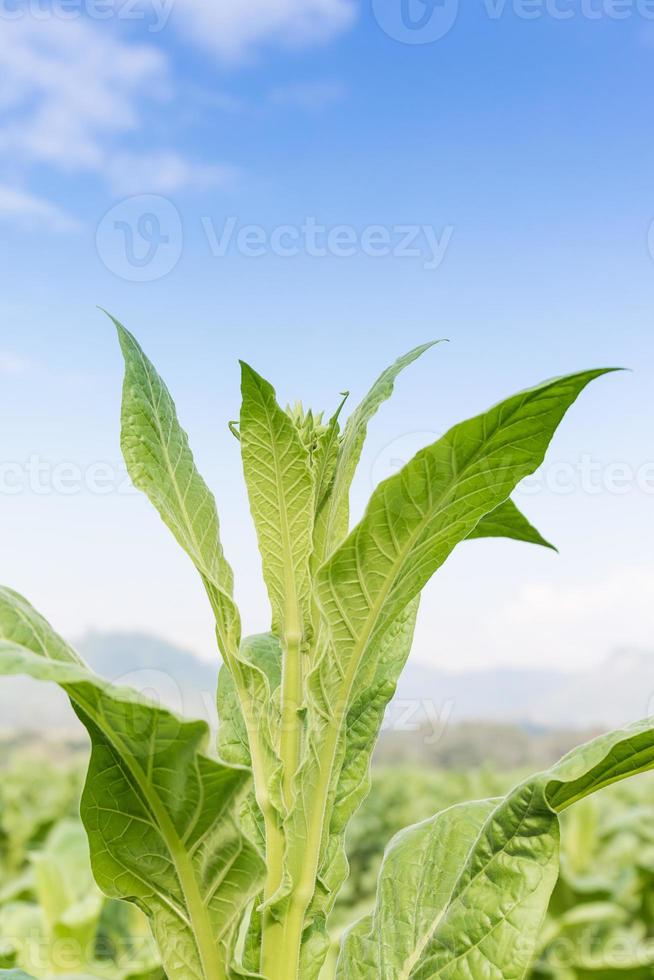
(512, 158)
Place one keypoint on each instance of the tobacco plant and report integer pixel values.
(236, 856)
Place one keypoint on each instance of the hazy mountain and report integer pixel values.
(166, 673)
(616, 692)
(611, 695)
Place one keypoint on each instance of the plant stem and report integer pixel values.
(291, 733)
(306, 862)
(273, 936)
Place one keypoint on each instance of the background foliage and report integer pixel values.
(600, 924)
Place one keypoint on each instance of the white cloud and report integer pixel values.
(235, 28)
(163, 173)
(579, 624)
(312, 96)
(70, 87)
(21, 207)
(75, 94)
(72, 95)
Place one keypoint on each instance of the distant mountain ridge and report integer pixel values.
(619, 691)
(616, 692)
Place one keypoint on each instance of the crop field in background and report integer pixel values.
(600, 924)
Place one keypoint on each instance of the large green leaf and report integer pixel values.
(416, 518)
(376, 685)
(411, 525)
(463, 896)
(160, 463)
(159, 813)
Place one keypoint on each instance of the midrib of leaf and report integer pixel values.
(198, 912)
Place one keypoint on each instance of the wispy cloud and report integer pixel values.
(310, 96)
(71, 87)
(29, 211)
(235, 29)
(78, 97)
(164, 173)
(73, 96)
(579, 623)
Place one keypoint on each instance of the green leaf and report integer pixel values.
(420, 867)
(280, 487)
(325, 463)
(479, 914)
(365, 717)
(335, 507)
(412, 523)
(506, 521)
(259, 713)
(160, 463)
(416, 518)
(263, 652)
(326, 454)
(351, 782)
(159, 813)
